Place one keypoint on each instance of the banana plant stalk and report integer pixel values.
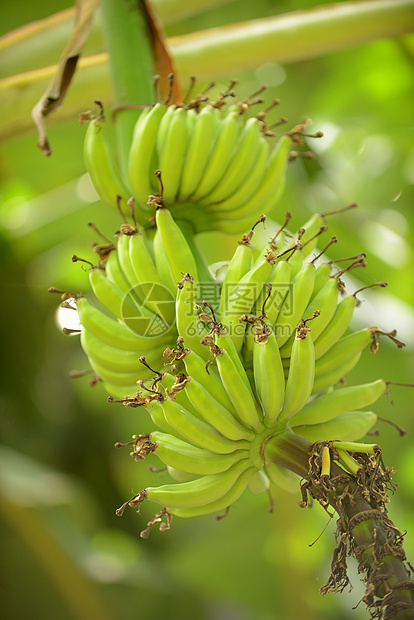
(363, 526)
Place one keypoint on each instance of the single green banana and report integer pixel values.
(198, 432)
(197, 492)
(201, 139)
(215, 414)
(343, 351)
(196, 368)
(322, 275)
(331, 378)
(336, 327)
(173, 154)
(156, 413)
(220, 156)
(269, 377)
(222, 503)
(111, 357)
(141, 156)
(175, 246)
(294, 304)
(266, 196)
(349, 426)
(239, 391)
(109, 330)
(325, 302)
(111, 296)
(243, 297)
(182, 455)
(248, 185)
(301, 375)
(162, 265)
(280, 279)
(224, 341)
(124, 379)
(330, 405)
(188, 325)
(240, 264)
(101, 164)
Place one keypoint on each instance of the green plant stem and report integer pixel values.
(128, 42)
(375, 542)
(288, 38)
(291, 37)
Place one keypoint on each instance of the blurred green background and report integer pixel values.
(64, 552)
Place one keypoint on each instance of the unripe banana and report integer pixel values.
(349, 426)
(343, 351)
(249, 183)
(225, 501)
(282, 477)
(215, 414)
(176, 248)
(201, 139)
(196, 368)
(172, 155)
(188, 325)
(295, 303)
(332, 404)
(258, 483)
(220, 156)
(199, 492)
(101, 164)
(198, 432)
(309, 238)
(268, 192)
(110, 331)
(141, 156)
(182, 455)
(301, 375)
(240, 264)
(280, 280)
(322, 275)
(331, 378)
(336, 327)
(325, 302)
(239, 392)
(269, 377)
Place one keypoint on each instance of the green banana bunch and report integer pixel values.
(221, 166)
(221, 367)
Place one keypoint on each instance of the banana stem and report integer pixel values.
(131, 62)
(372, 538)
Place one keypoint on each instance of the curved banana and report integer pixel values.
(299, 383)
(322, 275)
(162, 264)
(101, 164)
(175, 246)
(182, 455)
(337, 326)
(215, 414)
(188, 325)
(242, 298)
(109, 330)
(325, 302)
(196, 368)
(172, 155)
(331, 378)
(332, 404)
(197, 492)
(239, 392)
(220, 156)
(266, 196)
(348, 426)
(201, 139)
(249, 183)
(240, 264)
(294, 304)
(225, 501)
(269, 377)
(111, 357)
(141, 155)
(198, 432)
(343, 351)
